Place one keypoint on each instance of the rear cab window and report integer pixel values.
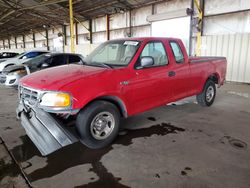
(178, 54)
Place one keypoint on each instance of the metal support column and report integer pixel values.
(90, 32)
(191, 12)
(24, 46)
(64, 35)
(76, 30)
(3, 44)
(107, 27)
(130, 23)
(34, 40)
(199, 6)
(72, 42)
(202, 5)
(47, 39)
(9, 43)
(15, 43)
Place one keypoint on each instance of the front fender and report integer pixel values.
(115, 99)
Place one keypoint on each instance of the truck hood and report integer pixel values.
(57, 77)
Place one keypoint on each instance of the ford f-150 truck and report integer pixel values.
(120, 78)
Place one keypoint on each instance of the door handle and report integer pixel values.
(171, 73)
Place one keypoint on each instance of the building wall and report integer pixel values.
(227, 33)
(222, 18)
(119, 28)
(236, 48)
(119, 23)
(218, 21)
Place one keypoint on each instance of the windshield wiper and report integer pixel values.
(107, 65)
(102, 64)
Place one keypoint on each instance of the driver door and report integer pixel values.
(149, 82)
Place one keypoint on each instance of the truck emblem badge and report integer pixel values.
(124, 82)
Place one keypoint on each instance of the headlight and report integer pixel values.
(17, 72)
(56, 99)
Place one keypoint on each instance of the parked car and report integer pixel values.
(6, 55)
(120, 78)
(11, 75)
(20, 59)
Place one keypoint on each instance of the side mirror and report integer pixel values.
(45, 65)
(146, 61)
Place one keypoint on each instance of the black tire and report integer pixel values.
(85, 124)
(202, 98)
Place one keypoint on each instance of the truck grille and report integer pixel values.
(28, 96)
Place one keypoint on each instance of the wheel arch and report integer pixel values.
(9, 65)
(114, 100)
(214, 77)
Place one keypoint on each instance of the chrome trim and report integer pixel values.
(102, 125)
(210, 93)
(124, 82)
(60, 110)
(45, 108)
(33, 97)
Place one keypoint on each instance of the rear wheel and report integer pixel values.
(206, 98)
(98, 124)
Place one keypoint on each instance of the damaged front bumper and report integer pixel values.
(47, 133)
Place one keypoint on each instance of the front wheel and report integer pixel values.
(206, 98)
(98, 124)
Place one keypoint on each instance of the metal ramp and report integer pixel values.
(45, 131)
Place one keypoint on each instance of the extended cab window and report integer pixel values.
(58, 60)
(178, 55)
(75, 59)
(157, 51)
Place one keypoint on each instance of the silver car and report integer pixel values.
(20, 59)
(11, 75)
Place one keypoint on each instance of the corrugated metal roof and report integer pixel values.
(20, 17)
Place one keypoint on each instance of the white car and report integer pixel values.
(11, 75)
(22, 58)
(7, 55)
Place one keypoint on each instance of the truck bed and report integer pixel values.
(201, 59)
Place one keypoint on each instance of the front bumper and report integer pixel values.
(10, 80)
(2, 79)
(47, 133)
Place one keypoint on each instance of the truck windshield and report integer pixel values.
(113, 53)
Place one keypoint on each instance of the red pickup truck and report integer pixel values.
(120, 78)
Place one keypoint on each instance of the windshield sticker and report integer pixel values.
(133, 43)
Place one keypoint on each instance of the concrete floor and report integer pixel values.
(179, 145)
(10, 175)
